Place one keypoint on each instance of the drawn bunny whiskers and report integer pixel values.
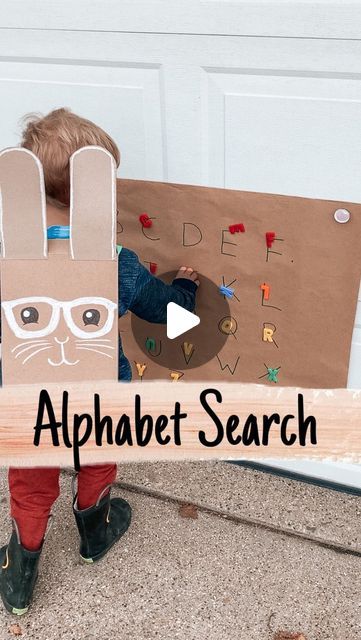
(107, 355)
(35, 347)
(97, 345)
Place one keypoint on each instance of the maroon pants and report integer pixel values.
(33, 492)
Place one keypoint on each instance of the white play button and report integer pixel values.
(179, 320)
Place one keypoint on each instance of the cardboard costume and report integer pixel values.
(59, 298)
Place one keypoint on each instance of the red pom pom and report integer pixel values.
(270, 237)
(145, 220)
(236, 228)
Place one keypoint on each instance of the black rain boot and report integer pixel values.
(18, 574)
(101, 525)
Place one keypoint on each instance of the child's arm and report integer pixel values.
(148, 296)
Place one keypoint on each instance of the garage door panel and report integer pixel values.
(291, 135)
(126, 102)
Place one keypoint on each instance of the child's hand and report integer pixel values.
(189, 274)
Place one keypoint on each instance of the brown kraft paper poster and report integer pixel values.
(295, 331)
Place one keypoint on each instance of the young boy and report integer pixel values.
(101, 521)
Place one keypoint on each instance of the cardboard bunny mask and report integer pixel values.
(59, 298)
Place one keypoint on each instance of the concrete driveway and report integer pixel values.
(260, 555)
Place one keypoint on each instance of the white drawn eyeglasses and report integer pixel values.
(96, 309)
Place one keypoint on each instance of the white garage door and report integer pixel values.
(261, 96)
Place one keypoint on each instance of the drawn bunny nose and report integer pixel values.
(62, 341)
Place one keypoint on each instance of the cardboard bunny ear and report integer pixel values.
(22, 205)
(92, 204)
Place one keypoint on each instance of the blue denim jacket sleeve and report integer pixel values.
(147, 296)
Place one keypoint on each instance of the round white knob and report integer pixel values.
(342, 215)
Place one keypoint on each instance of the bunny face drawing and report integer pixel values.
(35, 321)
(59, 297)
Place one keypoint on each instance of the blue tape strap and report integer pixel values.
(226, 291)
(58, 231)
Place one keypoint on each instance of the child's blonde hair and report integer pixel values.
(54, 138)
